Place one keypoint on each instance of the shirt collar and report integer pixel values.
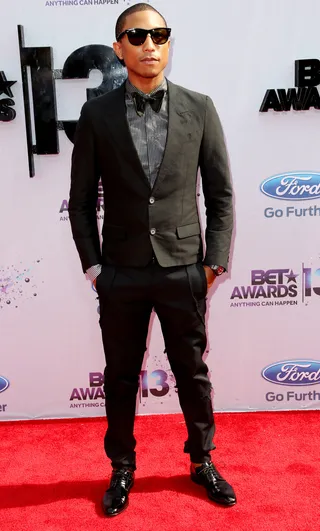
(131, 88)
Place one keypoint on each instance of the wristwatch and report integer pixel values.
(218, 270)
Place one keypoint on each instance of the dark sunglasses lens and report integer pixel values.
(137, 37)
(160, 36)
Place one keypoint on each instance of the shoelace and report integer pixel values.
(211, 472)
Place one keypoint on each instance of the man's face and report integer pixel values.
(149, 59)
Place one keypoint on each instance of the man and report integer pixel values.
(146, 141)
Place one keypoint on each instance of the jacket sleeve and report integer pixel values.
(84, 193)
(217, 189)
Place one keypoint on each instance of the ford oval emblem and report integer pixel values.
(4, 384)
(295, 186)
(293, 372)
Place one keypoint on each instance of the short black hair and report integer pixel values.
(134, 9)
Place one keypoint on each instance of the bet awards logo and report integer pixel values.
(76, 3)
(158, 383)
(7, 114)
(277, 287)
(302, 98)
(63, 3)
(64, 207)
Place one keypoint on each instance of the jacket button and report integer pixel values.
(152, 232)
(151, 200)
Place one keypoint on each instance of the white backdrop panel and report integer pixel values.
(51, 350)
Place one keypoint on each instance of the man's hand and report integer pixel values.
(210, 276)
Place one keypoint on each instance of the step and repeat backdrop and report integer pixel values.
(259, 62)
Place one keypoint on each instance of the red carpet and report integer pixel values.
(54, 473)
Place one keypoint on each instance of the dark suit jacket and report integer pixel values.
(138, 220)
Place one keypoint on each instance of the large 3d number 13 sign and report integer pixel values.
(77, 66)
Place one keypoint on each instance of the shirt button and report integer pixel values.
(152, 232)
(151, 200)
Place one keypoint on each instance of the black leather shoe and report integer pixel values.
(116, 498)
(217, 488)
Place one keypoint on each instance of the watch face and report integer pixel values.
(218, 270)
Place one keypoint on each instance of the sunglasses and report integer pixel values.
(137, 36)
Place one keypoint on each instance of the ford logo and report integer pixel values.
(295, 372)
(4, 384)
(297, 186)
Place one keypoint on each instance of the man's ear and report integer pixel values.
(118, 50)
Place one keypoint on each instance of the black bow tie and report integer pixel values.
(140, 102)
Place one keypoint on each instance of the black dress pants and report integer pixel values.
(178, 296)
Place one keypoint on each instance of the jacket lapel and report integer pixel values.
(117, 124)
(178, 132)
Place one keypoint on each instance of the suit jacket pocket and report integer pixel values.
(188, 230)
